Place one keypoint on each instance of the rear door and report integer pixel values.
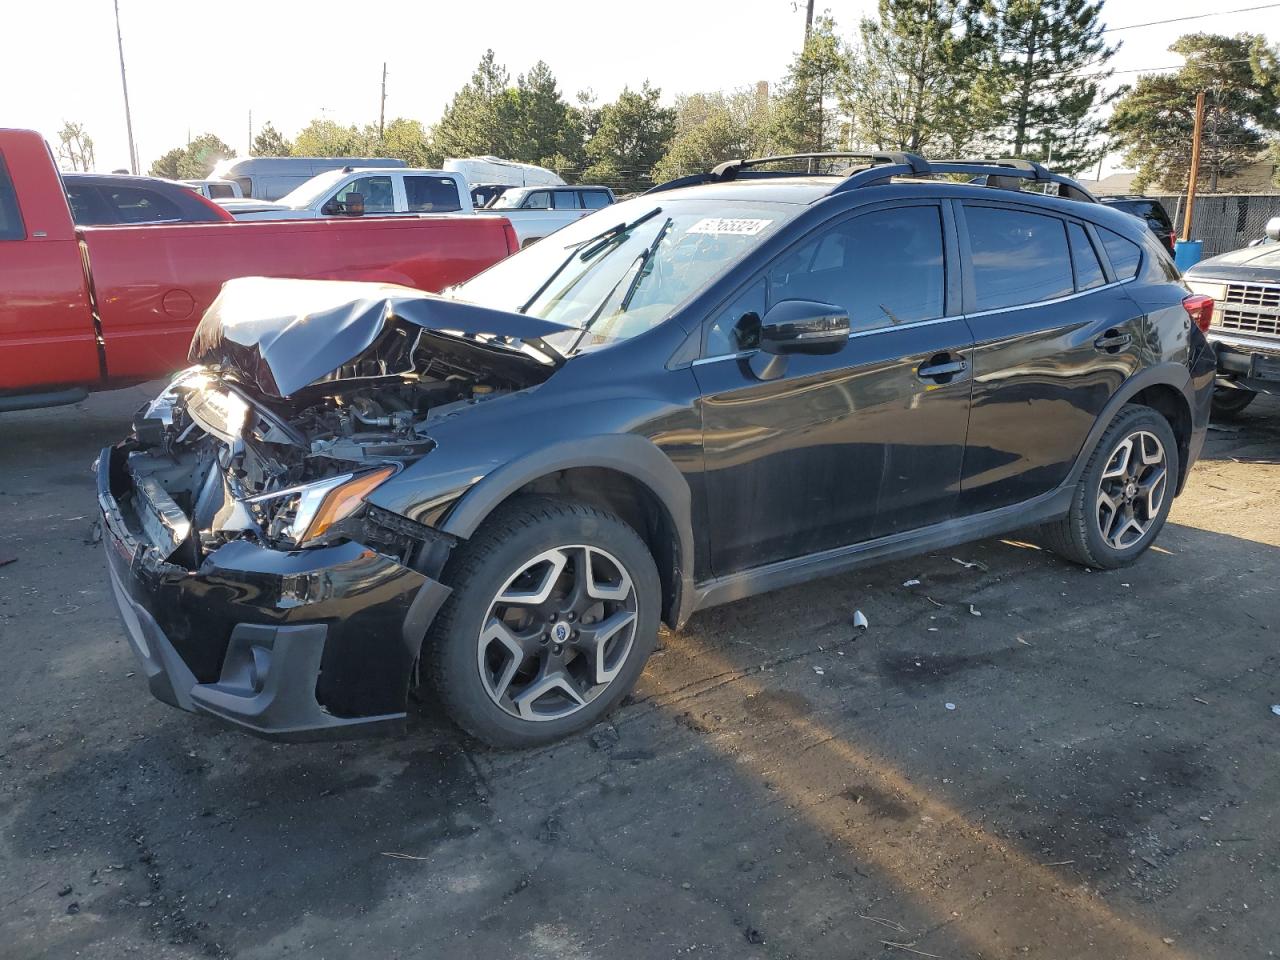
(843, 448)
(1055, 336)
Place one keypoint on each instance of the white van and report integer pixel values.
(490, 176)
(270, 178)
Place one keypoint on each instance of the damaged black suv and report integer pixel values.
(738, 381)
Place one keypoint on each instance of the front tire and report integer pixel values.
(1228, 402)
(1124, 494)
(554, 611)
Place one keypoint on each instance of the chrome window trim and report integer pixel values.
(1042, 303)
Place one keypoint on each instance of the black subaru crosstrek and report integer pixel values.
(738, 381)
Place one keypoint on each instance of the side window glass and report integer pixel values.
(379, 197)
(1123, 254)
(566, 200)
(84, 204)
(1084, 259)
(537, 201)
(884, 267)
(135, 205)
(595, 199)
(11, 227)
(431, 194)
(737, 326)
(1018, 257)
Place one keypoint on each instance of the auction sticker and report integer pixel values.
(727, 226)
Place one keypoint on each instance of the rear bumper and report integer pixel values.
(1249, 362)
(300, 645)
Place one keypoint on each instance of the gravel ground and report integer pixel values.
(1018, 759)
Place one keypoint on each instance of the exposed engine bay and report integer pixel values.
(280, 429)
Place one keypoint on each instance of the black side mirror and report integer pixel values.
(798, 326)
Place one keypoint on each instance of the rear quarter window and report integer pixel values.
(11, 227)
(595, 199)
(1124, 254)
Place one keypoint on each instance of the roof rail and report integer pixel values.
(884, 165)
(910, 164)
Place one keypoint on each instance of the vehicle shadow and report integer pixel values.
(1018, 757)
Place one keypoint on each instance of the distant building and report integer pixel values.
(1257, 177)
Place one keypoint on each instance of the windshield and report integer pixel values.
(317, 188)
(508, 199)
(625, 269)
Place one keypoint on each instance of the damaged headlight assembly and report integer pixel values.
(318, 507)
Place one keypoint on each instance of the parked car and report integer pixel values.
(728, 385)
(85, 308)
(270, 178)
(1245, 286)
(357, 192)
(536, 212)
(1151, 212)
(102, 199)
(215, 189)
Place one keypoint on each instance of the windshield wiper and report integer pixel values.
(644, 258)
(587, 249)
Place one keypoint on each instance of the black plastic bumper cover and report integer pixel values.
(1248, 365)
(307, 644)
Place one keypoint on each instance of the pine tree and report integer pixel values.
(269, 142)
(201, 155)
(805, 116)
(714, 127)
(477, 121)
(920, 77)
(633, 133)
(541, 122)
(166, 166)
(1052, 67)
(1154, 120)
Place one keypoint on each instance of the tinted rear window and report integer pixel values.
(220, 191)
(139, 205)
(1123, 254)
(595, 199)
(10, 219)
(431, 194)
(566, 200)
(1018, 257)
(1084, 258)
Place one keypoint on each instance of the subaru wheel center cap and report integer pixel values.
(560, 632)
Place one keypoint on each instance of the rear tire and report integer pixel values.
(1228, 402)
(1124, 494)
(554, 611)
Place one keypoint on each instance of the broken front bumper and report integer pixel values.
(303, 644)
(1251, 362)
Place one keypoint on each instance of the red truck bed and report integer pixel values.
(104, 306)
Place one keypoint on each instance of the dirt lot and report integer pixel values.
(1018, 758)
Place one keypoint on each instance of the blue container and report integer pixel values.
(1188, 253)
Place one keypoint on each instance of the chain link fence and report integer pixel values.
(1224, 221)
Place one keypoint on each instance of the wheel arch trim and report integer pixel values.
(631, 455)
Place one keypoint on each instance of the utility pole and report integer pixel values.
(128, 116)
(382, 104)
(249, 151)
(1195, 165)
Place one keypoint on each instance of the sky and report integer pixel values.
(196, 67)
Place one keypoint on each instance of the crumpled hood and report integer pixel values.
(283, 335)
(1260, 263)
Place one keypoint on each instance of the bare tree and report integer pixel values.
(75, 146)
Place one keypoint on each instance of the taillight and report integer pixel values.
(1200, 309)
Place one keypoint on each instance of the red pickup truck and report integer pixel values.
(92, 308)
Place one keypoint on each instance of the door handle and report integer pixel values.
(941, 370)
(1112, 340)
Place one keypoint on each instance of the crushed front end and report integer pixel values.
(255, 582)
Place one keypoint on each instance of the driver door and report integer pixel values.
(844, 448)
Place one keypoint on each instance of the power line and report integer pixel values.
(1194, 16)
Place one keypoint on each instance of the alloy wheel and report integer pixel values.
(557, 633)
(1132, 489)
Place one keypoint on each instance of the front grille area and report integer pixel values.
(1253, 294)
(1251, 308)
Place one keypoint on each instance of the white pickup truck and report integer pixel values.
(535, 212)
(367, 191)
